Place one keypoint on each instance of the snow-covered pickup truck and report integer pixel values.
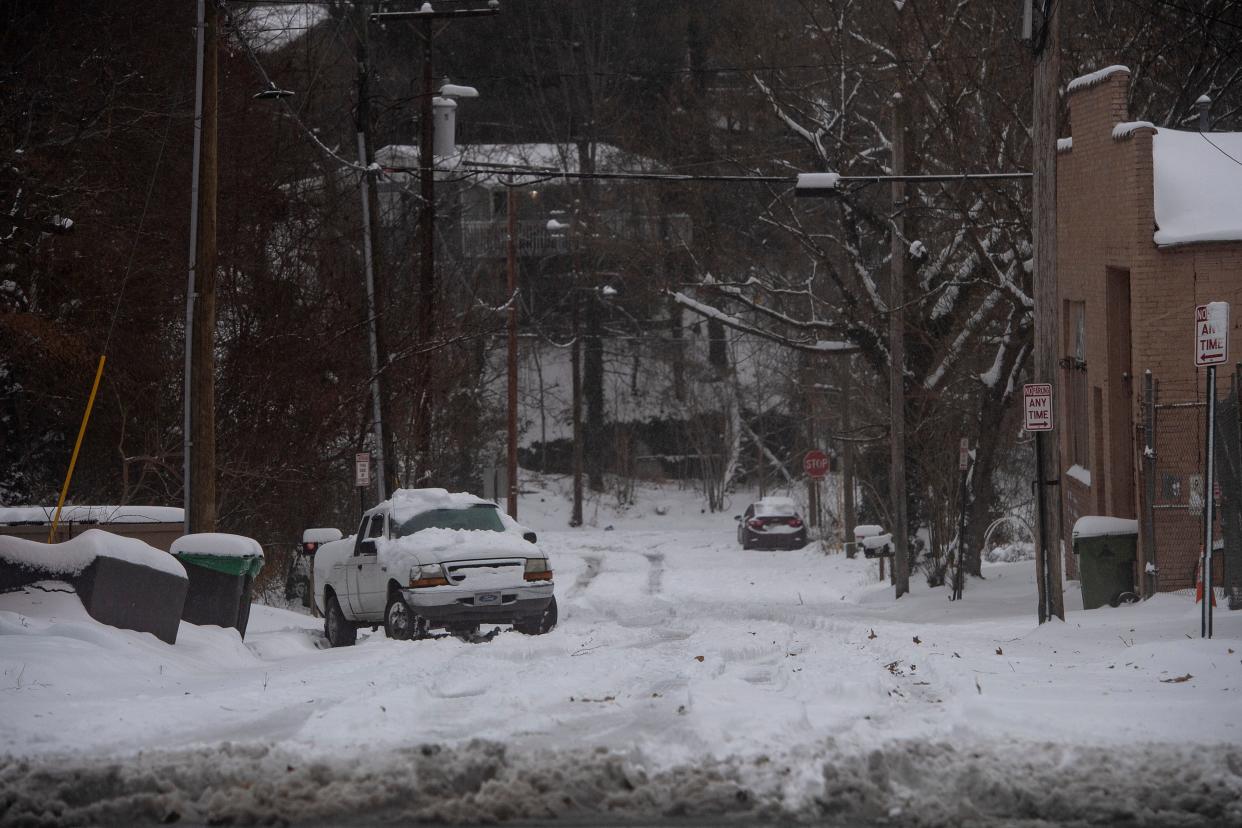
(431, 559)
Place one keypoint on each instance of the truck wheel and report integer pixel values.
(339, 631)
(541, 624)
(399, 622)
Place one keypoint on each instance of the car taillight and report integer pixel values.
(756, 523)
(795, 522)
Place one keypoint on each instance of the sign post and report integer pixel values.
(362, 479)
(1037, 418)
(815, 464)
(1211, 349)
(963, 463)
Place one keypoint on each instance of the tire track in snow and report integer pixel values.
(592, 566)
(655, 577)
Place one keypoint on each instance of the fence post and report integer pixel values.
(1149, 482)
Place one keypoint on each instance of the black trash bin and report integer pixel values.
(1106, 548)
(221, 570)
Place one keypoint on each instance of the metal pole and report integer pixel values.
(372, 320)
(897, 362)
(186, 437)
(511, 268)
(1045, 602)
(1209, 516)
(961, 530)
(1149, 483)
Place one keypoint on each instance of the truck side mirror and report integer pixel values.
(366, 546)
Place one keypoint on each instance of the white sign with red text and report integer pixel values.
(1037, 406)
(1211, 334)
(362, 469)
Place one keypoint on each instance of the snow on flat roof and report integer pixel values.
(1128, 128)
(220, 544)
(92, 514)
(1095, 526)
(1197, 180)
(1095, 78)
(1065, 144)
(74, 555)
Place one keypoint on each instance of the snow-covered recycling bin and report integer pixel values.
(1106, 548)
(861, 533)
(221, 568)
(122, 582)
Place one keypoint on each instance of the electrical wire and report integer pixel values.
(142, 220)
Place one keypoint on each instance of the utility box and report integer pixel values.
(1106, 549)
(221, 570)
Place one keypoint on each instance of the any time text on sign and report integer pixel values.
(1037, 406)
(1211, 334)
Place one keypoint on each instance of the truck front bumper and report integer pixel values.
(447, 607)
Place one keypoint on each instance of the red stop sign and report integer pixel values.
(815, 464)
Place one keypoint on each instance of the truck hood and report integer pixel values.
(447, 545)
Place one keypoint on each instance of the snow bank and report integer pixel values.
(219, 544)
(1198, 187)
(906, 782)
(72, 556)
(92, 514)
(1096, 526)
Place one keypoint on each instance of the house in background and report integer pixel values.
(1149, 225)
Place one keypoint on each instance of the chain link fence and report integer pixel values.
(1174, 493)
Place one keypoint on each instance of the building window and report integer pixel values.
(1074, 372)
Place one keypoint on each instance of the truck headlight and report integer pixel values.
(537, 569)
(431, 575)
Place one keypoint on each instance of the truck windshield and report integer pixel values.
(482, 517)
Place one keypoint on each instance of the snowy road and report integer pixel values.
(686, 678)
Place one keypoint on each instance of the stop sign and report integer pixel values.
(815, 464)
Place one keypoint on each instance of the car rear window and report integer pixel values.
(481, 517)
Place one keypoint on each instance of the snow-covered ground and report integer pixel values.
(686, 678)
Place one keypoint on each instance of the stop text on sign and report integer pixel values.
(1037, 406)
(1211, 334)
(815, 464)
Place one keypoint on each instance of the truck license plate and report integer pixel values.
(487, 598)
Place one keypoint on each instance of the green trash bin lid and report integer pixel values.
(221, 552)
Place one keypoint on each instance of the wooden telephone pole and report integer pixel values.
(897, 357)
(200, 387)
(1046, 43)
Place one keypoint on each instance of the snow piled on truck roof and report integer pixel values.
(405, 503)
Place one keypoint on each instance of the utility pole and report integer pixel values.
(425, 317)
(363, 118)
(575, 358)
(897, 356)
(511, 273)
(1046, 43)
(199, 421)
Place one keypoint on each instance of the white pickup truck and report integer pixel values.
(430, 559)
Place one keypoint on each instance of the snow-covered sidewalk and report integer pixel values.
(686, 677)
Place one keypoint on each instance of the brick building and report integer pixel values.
(1149, 224)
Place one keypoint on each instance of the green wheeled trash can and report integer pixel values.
(221, 569)
(1106, 549)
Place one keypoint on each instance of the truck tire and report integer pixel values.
(339, 631)
(540, 624)
(399, 622)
